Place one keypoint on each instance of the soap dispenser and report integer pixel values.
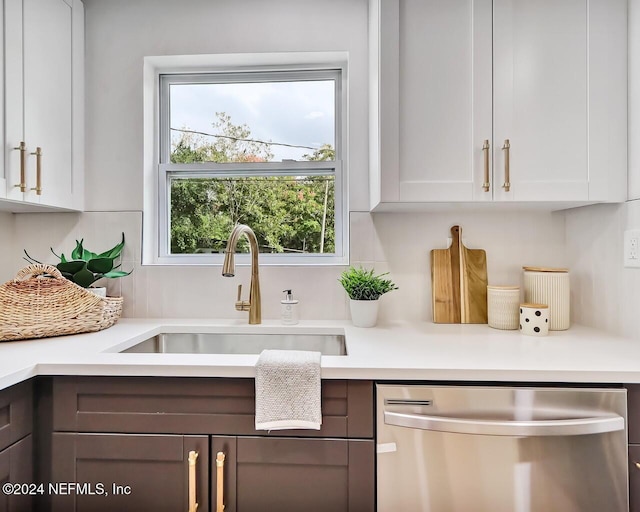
(289, 309)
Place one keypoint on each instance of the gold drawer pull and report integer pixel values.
(485, 150)
(23, 182)
(38, 187)
(193, 505)
(637, 464)
(220, 482)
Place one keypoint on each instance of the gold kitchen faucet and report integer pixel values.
(228, 270)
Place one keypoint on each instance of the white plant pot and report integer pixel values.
(364, 313)
(100, 291)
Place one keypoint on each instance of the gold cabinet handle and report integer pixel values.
(23, 181)
(485, 150)
(507, 183)
(193, 505)
(220, 482)
(38, 187)
(637, 464)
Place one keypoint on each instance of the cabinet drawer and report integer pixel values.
(219, 406)
(16, 413)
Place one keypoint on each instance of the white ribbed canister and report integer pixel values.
(550, 286)
(503, 304)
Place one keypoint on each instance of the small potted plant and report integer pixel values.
(364, 289)
(86, 267)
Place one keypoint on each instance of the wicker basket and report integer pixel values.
(39, 303)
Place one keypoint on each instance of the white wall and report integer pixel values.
(604, 294)
(120, 33)
(401, 244)
(398, 243)
(8, 249)
(174, 291)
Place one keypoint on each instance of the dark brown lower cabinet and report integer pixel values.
(634, 478)
(16, 468)
(150, 472)
(633, 429)
(294, 474)
(126, 441)
(128, 473)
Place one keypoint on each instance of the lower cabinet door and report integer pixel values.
(129, 473)
(293, 474)
(634, 477)
(16, 468)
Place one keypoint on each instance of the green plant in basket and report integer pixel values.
(86, 267)
(361, 284)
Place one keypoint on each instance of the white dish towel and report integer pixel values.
(288, 390)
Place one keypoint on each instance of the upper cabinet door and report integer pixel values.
(541, 99)
(43, 99)
(438, 56)
(47, 99)
(13, 101)
(560, 100)
(3, 181)
(445, 98)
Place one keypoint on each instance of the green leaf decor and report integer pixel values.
(86, 267)
(361, 284)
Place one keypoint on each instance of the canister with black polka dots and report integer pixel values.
(534, 319)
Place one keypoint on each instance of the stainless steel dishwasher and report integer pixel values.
(499, 449)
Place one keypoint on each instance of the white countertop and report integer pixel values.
(423, 351)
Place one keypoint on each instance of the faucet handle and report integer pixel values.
(242, 305)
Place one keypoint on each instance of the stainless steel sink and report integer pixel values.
(236, 343)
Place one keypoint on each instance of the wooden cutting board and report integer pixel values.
(459, 283)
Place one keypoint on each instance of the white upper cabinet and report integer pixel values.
(3, 181)
(453, 81)
(44, 40)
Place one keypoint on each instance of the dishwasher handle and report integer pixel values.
(566, 427)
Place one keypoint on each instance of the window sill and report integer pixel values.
(265, 260)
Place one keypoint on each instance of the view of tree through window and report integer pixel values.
(290, 212)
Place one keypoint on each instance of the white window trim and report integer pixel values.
(155, 174)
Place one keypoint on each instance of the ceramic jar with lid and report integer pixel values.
(502, 306)
(549, 286)
(534, 319)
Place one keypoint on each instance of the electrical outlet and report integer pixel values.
(632, 248)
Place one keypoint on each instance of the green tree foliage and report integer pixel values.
(231, 145)
(285, 212)
(323, 154)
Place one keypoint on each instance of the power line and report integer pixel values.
(242, 140)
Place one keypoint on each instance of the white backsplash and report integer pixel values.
(604, 294)
(588, 240)
(7, 247)
(399, 243)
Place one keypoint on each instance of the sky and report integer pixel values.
(300, 113)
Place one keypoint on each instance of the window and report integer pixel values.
(262, 148)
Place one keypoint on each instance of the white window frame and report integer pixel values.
(317, 66)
